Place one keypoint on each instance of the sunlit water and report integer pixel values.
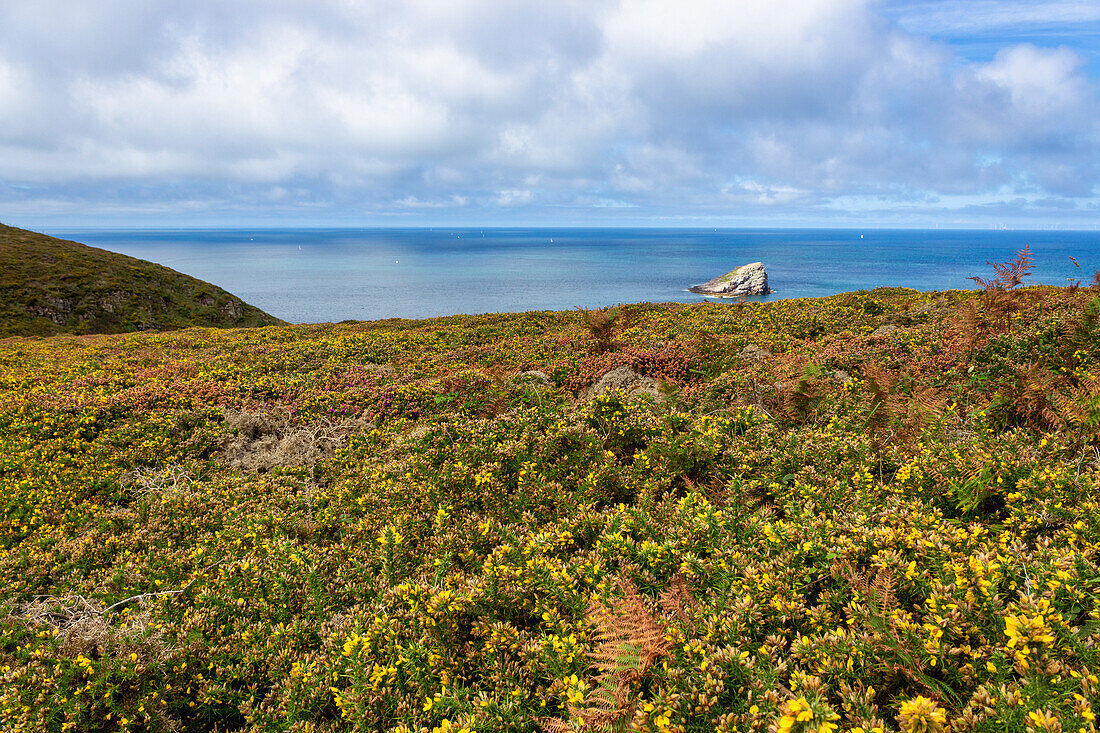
(319, 275)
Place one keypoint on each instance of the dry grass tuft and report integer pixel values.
(264, 440)
(169, 482)
(82, 628)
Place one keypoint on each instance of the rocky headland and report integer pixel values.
(50, 286)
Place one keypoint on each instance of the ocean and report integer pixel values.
(324, 275)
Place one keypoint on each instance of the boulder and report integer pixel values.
(840, 376)
(754, 353)
(623, 378)
(884, 330)
(748, 279)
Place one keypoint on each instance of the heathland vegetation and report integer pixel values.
(50, 286)
(873, 511)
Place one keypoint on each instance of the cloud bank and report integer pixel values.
(501, 111)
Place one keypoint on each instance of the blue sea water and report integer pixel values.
(322, 275)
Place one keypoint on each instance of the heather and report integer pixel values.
(872, 511)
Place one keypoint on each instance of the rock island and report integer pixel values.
(750, 279)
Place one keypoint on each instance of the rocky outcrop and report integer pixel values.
(748, 279)
(624, 378)
(754, 353)
(840, 376)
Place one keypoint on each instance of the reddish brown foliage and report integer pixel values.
(1009, 274)
(628, 641)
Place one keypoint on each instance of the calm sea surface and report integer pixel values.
(319, 275)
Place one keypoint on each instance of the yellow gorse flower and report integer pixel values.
(1041, 720)
(1023, 629)
(800, 716)
(921, 715)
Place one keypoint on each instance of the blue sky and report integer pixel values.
(967, 113)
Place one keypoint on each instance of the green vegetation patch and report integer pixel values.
(874, 511)
(50, 286)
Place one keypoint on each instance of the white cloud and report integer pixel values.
(9, 89)
(1041, 83)
(412, 202)
(514, 198)
(649, 104)
(757, 193)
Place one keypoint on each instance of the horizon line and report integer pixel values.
(472, 227)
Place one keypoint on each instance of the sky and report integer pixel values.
(956, 113)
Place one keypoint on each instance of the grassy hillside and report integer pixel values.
(50, 286)
(873, 511)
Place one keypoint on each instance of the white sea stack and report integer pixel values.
(750, 279)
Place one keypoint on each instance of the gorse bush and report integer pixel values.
(381, 526)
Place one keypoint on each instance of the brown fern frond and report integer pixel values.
(1021, 267)
(1079, 332)
(880, 387)
(553, 725)
(1027, 396)
(970, 325)
(928, 402)
(602, 324)
(1009, 274)
(1080, 407)
(997, 300)
(880, 383)
(1095, 284)
(883, 591)
(880, 590)
(986, 315)
(677, 598)
(629, 637)
(797, 399)
(982, 282)
(628, 640)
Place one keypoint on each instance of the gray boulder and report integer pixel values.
(840, 376)
(754, 353)
(623, 378)
(748, 279)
